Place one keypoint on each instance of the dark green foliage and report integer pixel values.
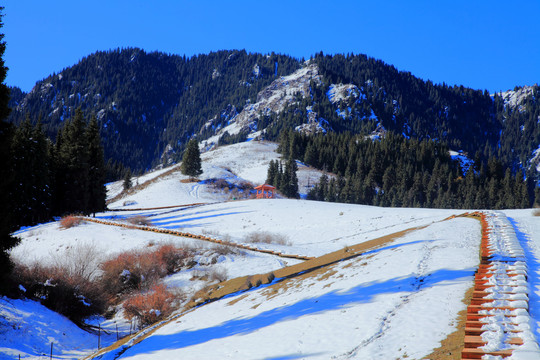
(72, 167)
(395, 171)
(67, 177)
(143, 99)
(7, 180)
(96, 169)
(32, 195)
(273, 169)
(284, 179)
(127, 184)
(149, 101)
(191, 161)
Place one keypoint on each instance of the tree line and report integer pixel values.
(400, 172)
(284, 178)
(43, 179)
(149, 102)
(57, 178)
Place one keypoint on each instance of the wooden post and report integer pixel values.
(116, 331)
(99, 337)
(51, 349)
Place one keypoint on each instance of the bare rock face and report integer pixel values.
(280, 93)
(516, 98)
(272, 99)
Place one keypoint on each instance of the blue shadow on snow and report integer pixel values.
(533, 277)
(328, 302)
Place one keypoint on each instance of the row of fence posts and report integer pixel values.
(99, 339)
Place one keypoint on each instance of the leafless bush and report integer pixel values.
(536, 212)
(150, 306)
(245, 186)
(80, 260)
(141, 269)
(220, 184)
(70, 221)
(217, 273)
(267, 238)
(225, 250)
(139, 220)
(57, 288)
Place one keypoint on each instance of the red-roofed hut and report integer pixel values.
(265, 191)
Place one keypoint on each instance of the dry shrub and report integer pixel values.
(70, 221)
(61, 290)
(150, 306)
(536, 212)
(139, 220)
(172, 258)
(245, 186)
(218, 274)
(220, 184)
(225, 250)
(141, 269)
(267, 238)
(80, 260)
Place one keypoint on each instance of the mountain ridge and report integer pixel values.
(151, 104)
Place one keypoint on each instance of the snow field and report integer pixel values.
(393, 301)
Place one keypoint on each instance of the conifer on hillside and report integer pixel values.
(7, 241)
(191, 160)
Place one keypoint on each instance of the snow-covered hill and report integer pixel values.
(398, 297)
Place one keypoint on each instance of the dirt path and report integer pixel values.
(278, 280)
(279, 277)
(195, 236)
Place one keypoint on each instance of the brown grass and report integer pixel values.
(139, 220)
(307, 268)
(267, 237)
(189, 180)
(151, 306)
(70, 221)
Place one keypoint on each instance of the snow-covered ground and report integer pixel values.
(399, 300)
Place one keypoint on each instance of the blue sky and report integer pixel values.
(492, 45)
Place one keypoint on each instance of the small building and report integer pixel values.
(265, 191)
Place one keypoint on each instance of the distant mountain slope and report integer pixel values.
(146, 101)
(150, 104)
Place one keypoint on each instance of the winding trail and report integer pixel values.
(195, 236)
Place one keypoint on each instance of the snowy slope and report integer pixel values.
(399, 300)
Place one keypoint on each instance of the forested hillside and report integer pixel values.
(145, 101)
(150, 104)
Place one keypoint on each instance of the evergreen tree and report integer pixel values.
(7, 179)
(191, 161)
(127, 180)
(73, 169)
(97, 192)
(289, 186)
(272, 172)
(32, 197)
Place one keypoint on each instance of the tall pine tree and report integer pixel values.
(96, 169)
(7, 179)
(191, 161)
